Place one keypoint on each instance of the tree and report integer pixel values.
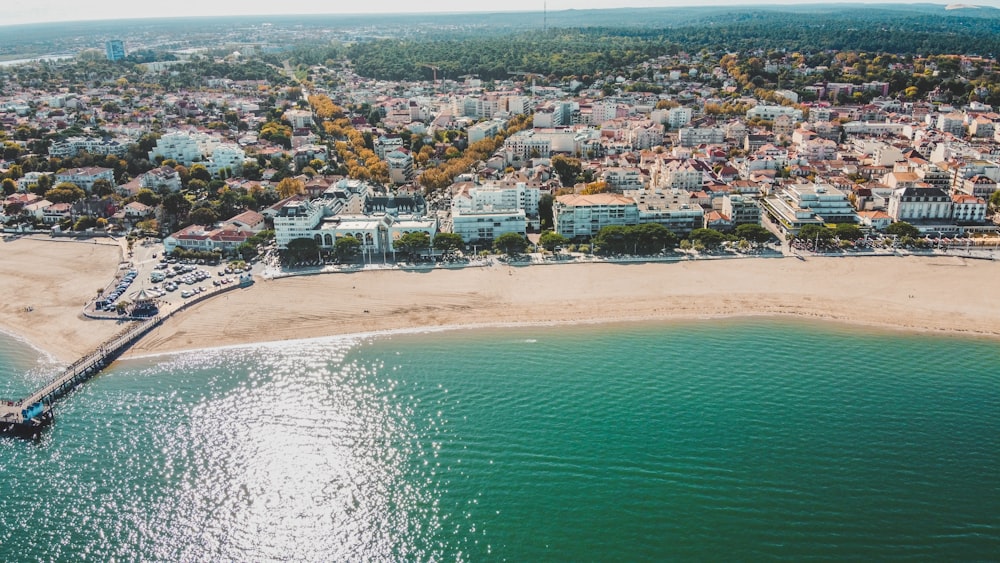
(346, 248)
(102, 188)
(510, 243)
(613, 239)
(567, 169)
(65, 192)
(302, 249)
(753, 233)
(709, 238)
(412, 244)
(903, 229)
(200, 172)
(848, 231)
(551, 240)
(651, 238)
(815, 232)
(146, 196)
(203, 216)
(289, 187)
(84, 223)
(9, 186)
(994, 200)
(545, 210)
(448, 242)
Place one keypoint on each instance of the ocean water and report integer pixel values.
(710, 440)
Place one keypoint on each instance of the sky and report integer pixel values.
(37, 11)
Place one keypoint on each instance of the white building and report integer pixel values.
(769, 113)
(519, 196)
(85, 177)
(75, 145)
(583, 216)
(797, 205)
(300, 119)
(400, 166)
(484, 130)
(694, 136)
(917, 205)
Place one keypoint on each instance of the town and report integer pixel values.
(221, 153)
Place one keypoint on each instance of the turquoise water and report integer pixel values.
(751, 439)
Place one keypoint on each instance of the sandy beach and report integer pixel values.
(912, 293)
(925, 293)
(45, 284)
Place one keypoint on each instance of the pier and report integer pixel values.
(29, 415)
(26, 417)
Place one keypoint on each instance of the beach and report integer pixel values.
(48, 282)
(45, 284)
(936, 293)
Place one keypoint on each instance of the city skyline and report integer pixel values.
(46, 11)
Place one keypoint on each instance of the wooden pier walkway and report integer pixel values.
(28, 415)
(14, 413)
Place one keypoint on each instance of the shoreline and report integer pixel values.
(437, 300)
(842, 323)
(919, 294)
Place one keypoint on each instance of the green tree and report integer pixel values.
(545, 210)
(903, 229)
(709, 238)
(203, 216)
(84, 223)
(815, 232)
(567, 169)
(146, 196)
(9, 186)
(200, 172)
(614, 239)
(510, 243)
(651, 238)
(753, 233)
(65, 192)
(302, 249)
(448, 242)
(848, 231)
(102, 188)
(412, 244)
(994, 200)
(550, 240)
(346, 248)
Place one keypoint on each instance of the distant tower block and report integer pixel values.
(115, 50)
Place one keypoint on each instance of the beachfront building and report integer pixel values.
(677, 210)
(347, 209)
(206, 238)
(484, 212)
(578, 216)
(740, 209)
(797, 205)
(487, 224)
(920, 205)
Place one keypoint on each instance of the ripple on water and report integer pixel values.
(751, 439)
